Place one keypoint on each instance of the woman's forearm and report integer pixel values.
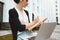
(35, 23)
(31, 27)
(32, 24)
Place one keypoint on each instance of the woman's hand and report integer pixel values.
(41, 20)
(35, 23)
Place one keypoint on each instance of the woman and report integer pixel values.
(19, 19)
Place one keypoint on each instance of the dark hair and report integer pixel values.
(17, 1)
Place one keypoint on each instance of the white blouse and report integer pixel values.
(22, 17)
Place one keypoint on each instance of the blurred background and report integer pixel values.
(40, 8)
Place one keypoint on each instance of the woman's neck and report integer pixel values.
(19, 7)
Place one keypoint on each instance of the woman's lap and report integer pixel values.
(24, 35)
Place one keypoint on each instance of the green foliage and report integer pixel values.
(6, 37)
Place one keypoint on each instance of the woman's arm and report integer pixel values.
(31, 25)
(35, 23)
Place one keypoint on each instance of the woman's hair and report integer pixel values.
(17, 1)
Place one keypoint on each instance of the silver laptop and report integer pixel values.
(45, 31)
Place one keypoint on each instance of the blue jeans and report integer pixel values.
(24, 35)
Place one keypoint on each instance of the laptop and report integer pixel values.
(45, 31)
